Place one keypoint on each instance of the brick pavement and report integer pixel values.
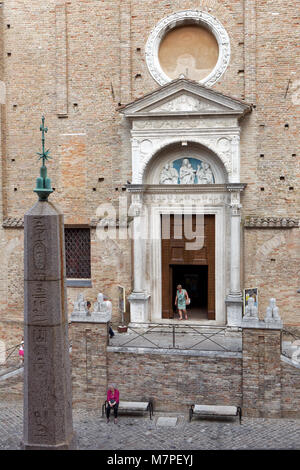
(137, 432)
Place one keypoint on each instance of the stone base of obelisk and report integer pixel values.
(70, 444)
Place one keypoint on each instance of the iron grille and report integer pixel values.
(78, 253)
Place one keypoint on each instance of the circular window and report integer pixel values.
(189, 51)
(190, 44)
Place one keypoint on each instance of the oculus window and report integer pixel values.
(191, 51)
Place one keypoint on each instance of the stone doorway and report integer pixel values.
(193, 267)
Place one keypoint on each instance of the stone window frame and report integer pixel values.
(182, 18)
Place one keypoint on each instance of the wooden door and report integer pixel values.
(175, 252)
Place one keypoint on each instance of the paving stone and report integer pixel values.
(164, 421)
(93, 433)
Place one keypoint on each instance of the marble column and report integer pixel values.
(137, 254)
(47, 379)
(138, 299)
(234, 300)
(235, 257)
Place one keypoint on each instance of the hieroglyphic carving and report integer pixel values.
(39, 246)
(39, 302)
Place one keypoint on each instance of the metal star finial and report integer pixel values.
(43, 183)
(45, 154)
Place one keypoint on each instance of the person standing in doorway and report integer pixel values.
(181, 300)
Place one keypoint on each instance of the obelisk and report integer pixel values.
(47, 376)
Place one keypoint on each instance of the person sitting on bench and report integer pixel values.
(112, 402)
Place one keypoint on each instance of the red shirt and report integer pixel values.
(113, 396)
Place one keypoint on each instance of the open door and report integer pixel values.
(194, 269)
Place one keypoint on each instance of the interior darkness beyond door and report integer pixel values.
(194, 280)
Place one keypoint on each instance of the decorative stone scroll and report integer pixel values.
(270, 222)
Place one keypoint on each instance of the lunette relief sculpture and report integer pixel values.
(197, 172)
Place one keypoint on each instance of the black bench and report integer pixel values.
(128, 406)
(214, 410)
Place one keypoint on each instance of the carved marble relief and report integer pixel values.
(186, 171)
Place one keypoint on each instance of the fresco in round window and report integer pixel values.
(191, 51)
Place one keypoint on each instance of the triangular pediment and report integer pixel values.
(184, 96)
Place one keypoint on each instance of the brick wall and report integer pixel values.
(78, 63)
(261, 372)
(89, 364)
(176, 381)
(290, 391)
(259, 380)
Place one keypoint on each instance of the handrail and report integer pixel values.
(290, 333)
(12, 349)
(295, 337)
(174, 329)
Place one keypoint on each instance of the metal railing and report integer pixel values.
(165, 336)
(12, 358)
(290, 351)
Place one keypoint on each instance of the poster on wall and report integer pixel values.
(251, 292)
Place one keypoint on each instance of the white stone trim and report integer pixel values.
(177, 19)
(155, 254)
(141, 160)
(175, 352)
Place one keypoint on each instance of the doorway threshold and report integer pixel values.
(175, 321)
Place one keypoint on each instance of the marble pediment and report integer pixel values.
(184, 96)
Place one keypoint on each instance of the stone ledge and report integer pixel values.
(78, 283)
(261, 324)
(176, 352)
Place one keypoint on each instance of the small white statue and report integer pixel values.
(272, 313)
(108, 306)
(102, 307)
(80, 305)
(98, 304)
(251, 311)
